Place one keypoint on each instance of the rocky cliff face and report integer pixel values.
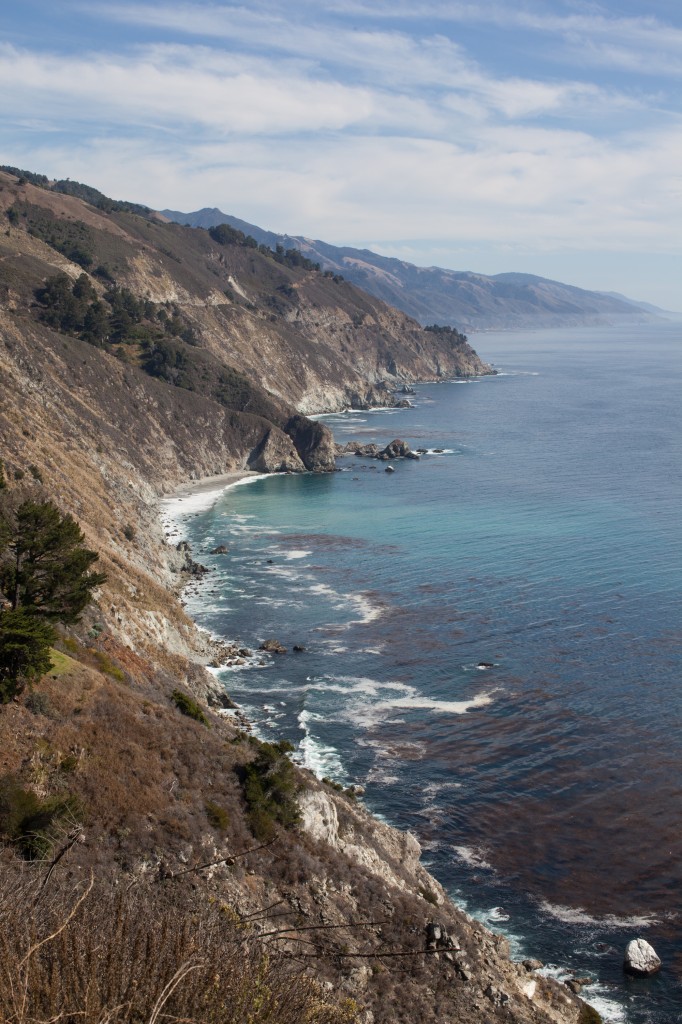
(162, 795)
(309, 338)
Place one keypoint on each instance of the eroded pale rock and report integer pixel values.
(641, 959)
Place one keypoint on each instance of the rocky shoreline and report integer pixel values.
(477, 959)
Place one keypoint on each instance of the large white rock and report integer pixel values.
(641, 958)
(383, 850)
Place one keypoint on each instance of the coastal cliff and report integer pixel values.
(127, 729)
(471, 301)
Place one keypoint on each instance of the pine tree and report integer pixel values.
(45, 577)
(44, 567)
(25, 642)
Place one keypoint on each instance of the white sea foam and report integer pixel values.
(274, 602)
(608, 1009)
(579, 916)
(432, 790)
(382, 776)
(369, 612)
(495, 921)
(175, 509)
(324, 590)
(320, 758)
(515, 373)
(596, 994)
(283, 572)
(361, 706)
(363, 685)
(498, 914)
(474, 858)
(418, 702)
(359, 602)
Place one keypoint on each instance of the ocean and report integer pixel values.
(492, 640)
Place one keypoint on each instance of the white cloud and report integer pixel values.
(251, 22)
(176, 87)
(538, 189)
(358, 131)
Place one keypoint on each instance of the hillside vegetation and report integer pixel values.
(461, 298)
(158, 862)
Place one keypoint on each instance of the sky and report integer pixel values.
(538, 136)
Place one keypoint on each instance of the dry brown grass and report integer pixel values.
(144, 954)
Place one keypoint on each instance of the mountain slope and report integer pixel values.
(103, 412)
(157, 347)
(462, 299)
(308, 338)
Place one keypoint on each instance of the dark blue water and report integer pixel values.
(544, 541)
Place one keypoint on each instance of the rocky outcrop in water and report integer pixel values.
(273, 647)
(314, 444)
(276, 454)
(641, 959)
(395, 449)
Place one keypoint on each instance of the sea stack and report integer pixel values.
(641, 959)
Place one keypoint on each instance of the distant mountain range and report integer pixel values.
(462, 299)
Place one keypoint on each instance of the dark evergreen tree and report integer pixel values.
(61, 310)
(83, 289)
(96, 324)
(225, 234)
(25, 642)
(44, 567)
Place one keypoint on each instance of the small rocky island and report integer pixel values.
(396, 449)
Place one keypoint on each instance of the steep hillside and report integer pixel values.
(307, 337)
(462, 299)
(155, 857)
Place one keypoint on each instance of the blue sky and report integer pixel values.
(542, 136)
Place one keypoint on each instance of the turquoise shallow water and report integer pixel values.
(544, 541)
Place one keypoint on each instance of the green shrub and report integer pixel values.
(25, 642)
(69, 644)
(30, 823)
(185, 704)
(106, 665)
(129, 532)
(217, 816)
(270, 787)
(38, 704)
(69, 764)
(104, 273)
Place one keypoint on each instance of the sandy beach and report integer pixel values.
(198, 495)
(209, 484)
